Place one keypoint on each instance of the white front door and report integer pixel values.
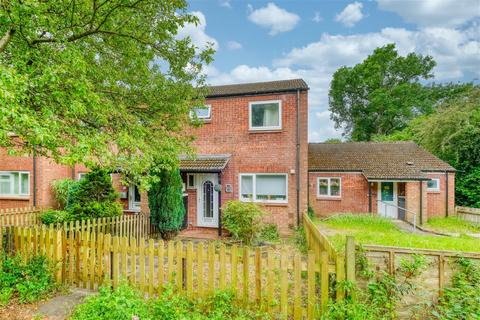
(207, 200)
(134, 200)
(387, 199)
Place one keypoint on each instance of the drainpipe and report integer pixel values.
(220, 205)
(421, 202)
(34, 173)
(369, 196)
(297, 161)
(446, 193)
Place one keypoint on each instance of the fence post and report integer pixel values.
(350, 258)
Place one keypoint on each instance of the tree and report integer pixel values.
(380, 95)
(99, 82)
(452, 133)
(165, 201)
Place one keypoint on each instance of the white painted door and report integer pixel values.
(387, 203)
(134, 200)
(207, 200)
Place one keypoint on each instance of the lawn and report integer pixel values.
(452, 225)
(369, 229)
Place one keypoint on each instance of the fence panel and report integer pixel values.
(468, 214)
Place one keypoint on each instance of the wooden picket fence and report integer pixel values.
(20, 216)
(284, 283)
(322, 248)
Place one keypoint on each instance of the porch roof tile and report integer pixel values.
(204, 163)
(376, 160)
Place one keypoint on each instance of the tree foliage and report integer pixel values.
(98, 82)
(165, 201)
(379, 95)
(452, 133)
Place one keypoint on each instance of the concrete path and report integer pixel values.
(60, 307)
(409, 228)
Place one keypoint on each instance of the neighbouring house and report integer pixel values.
(392, 179)
(252, 146)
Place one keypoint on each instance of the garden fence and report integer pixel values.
(281, 282)
(20, 216)
(468, 214)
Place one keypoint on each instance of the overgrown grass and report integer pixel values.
(452, 225)
(370, 229)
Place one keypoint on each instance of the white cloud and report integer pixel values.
(197, 32)
(433, 13)
(234, 45)
(351, 14)
(457, 53)
(226, 4)
(274, 18)
(316, 17)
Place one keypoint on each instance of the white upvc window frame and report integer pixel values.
(269, 128)
(254, 187)
(329, 195)
(437, 188)
(20, 173)
(191, 177)
(81, 175)
(194, 115)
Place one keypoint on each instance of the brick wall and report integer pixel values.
(436, 200)
(257, 152)
(354, 194)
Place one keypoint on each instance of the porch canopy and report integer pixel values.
(382, 161)
(204, 163)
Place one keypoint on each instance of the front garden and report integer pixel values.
(370, 229)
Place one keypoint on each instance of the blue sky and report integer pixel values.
(274, 40)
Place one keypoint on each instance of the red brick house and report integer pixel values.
(252, 146)
(392, 179)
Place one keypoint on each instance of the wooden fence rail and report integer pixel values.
(20, 216)
(284, 284)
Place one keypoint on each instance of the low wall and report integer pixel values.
(468, 214)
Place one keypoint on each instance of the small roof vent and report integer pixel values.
(409, 163)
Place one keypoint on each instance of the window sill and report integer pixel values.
(265, 131)
(433, 191)
(328, 198)
(273, 204)
(22, 198)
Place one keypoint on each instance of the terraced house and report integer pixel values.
(253, 146)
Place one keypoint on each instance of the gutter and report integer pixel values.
(255, 93)
(34, 173)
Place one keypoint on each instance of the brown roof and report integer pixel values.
(376, 160)
(204, 163)
(257, 87)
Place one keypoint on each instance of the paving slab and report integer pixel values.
(60, 307)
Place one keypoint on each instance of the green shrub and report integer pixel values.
(165, 201)
(93, 197)
(54, 216)
(300, 239)
(95, 209)
(129, 303)
(310, 212)
(29, 281)
(243, 220)
(122, 303)
(95, 186)
(461, 300)
(269, 232)
(61, 189)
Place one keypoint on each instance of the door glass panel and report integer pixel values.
(208, 199)
(136, 195)
(387, 191)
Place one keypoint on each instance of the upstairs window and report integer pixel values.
(14, 183)
(265, 115)
(329, 187)
(433, 185)
(202, 113)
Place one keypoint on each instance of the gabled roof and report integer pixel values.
(376, 160)
(204, 163)
(256, 88)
